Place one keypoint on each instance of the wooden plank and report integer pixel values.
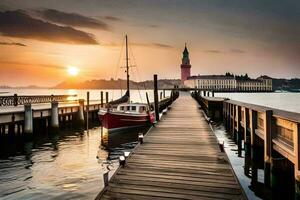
(180, 159)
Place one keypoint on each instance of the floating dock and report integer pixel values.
(179, 159)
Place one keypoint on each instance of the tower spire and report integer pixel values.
(185, 65)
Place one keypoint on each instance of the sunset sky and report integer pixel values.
(41, 39)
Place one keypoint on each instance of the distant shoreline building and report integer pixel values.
(185, 66)
(222, 83)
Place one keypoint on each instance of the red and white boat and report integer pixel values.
(121, 114)
(126, 115)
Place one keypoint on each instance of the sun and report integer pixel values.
(73, 71)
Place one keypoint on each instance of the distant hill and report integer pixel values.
(286, 84)
(116, 84)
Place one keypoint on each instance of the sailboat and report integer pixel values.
(121, 113)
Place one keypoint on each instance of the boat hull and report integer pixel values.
(118, 121)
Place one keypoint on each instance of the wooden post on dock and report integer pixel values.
(156, 98)
(28, 119)
(164, 93)
(254, 151)
(87, 110)
(54, 117)
(296, 138)
(101, 99)
(267, 146)
(239, 131)
(233, 113)
(81, 113)
(247, 142)
(160, 95)
(106, 98)
(212, 93)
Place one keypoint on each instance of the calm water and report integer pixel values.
(68, 165)
(279, 100)
(63, 166)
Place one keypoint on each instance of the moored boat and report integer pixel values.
(121, 113)
(126, 115)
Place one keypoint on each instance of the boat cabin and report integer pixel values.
(133, 108)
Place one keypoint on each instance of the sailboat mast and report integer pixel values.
(127, 67)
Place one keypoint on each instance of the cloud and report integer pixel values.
(19, 24)
(160, 45)
(13, 43)
(151, 45)
(112, 18)
(32, 64)
(72, 19)
(212, 51)
(153, 26)
(237, 51)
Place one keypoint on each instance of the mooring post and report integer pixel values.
(160, 95)
(204, 93)
(101, 98)
(87, 109)
(164, 93)
(267, 146)
(156, 98)
(106, 98)
(28, 119)
(54, 116)
(81, 113)
(212, 93)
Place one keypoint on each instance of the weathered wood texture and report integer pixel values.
(180, 159)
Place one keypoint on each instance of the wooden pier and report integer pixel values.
(179, 159)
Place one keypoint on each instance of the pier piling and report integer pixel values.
(156, 98)
(106, 97)
(54, 117)
(87, 109)
(239, 131)
(101, 99)
(268, 147)
(28, 123)
(81, 113)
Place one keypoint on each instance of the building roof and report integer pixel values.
(250, 80)
(264, 77)
(212, 77)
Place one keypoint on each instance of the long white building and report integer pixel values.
(229, 83)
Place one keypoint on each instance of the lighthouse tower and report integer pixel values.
(185, 66)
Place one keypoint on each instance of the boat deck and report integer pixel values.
(179, 159)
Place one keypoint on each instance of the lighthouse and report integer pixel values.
(185, 65)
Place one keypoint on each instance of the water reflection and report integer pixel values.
(66, 165)
(114, 139)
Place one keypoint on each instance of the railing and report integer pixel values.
(21, 100)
